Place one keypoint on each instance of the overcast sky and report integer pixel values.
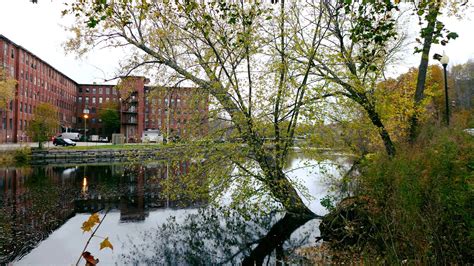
(40, 29)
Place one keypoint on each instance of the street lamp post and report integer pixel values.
(86, 115)
(120, 114)
(444, 61)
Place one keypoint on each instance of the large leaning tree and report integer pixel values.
(263, 64)
(240, 53)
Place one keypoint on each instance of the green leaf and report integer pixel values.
(452, 35)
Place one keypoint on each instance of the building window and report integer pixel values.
(87, 100)
(100, 99)
(21, 107)
(100, 90)
(107, 99)
(11, 123)
(94, 91)
(107, 90)
(79, 99)
(93, 99)
(21, 124)
(80, 90)
(87, 90)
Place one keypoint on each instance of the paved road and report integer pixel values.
(14, 146)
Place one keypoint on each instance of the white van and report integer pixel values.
(70, 135)
(152, 136)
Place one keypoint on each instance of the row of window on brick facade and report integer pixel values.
(99, 90)
(93, 100)
(44, 84)
(60, 103)
(45, 70)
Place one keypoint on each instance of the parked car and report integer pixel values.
(57, 141)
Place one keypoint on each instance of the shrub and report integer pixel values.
(424, 200)
(22, 155)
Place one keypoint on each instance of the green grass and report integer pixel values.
(117, 147)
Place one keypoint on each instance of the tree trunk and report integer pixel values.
(387, 141)
(279, 185)
(422, 70)
(275, 238)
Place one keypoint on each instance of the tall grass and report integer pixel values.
(426, 197)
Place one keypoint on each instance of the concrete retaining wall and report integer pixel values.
(41, 157)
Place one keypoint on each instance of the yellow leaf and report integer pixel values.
(87, 226)
(106, 244)
(91, 222)
(94, 218)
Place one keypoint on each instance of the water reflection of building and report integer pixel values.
(36, 201)
(137, 188)
(30, 208)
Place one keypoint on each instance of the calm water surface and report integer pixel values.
(42, 210)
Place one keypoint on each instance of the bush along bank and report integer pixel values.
(417, 207)
(15, 157)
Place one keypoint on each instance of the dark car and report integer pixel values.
(63, 142)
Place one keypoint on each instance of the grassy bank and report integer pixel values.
(15, 157)
(415, 208)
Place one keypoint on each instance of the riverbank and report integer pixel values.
(90, 152)
(119, 153)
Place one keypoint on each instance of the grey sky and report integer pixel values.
(40, 29)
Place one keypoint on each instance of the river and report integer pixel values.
(42, 210)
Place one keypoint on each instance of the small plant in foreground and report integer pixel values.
(87, 226)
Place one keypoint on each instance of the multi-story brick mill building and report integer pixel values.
(172, 111)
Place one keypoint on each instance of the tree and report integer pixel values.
(7, 92)
(110, 116)
(241, 54)
(44, 124)
(7, 88)
(463, 77)
(396, 100)
(433, 31)
(353, 59)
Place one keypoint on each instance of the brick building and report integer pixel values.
(93, 97)
(37, 82)
(141, 107)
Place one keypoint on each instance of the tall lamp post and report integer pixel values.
(86, 115)
(444, 61)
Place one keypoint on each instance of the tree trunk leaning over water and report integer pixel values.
(210, 44)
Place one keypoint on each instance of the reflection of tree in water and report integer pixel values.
(218, 236)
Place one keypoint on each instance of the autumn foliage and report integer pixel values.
(87, 226)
